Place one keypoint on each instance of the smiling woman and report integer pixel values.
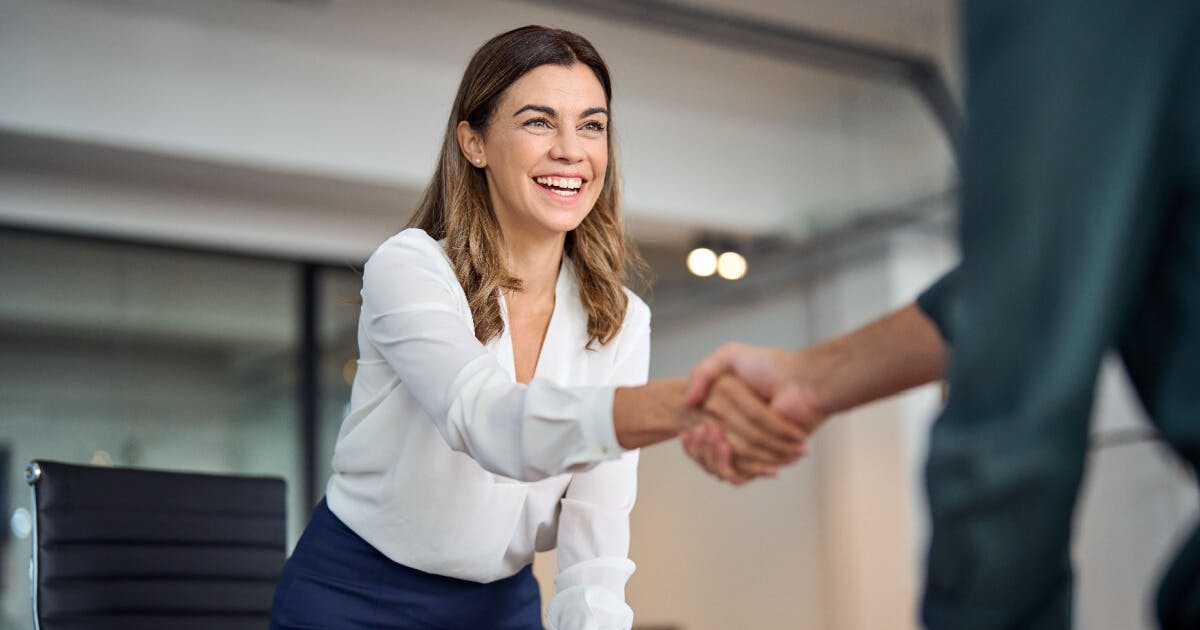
(501, 390)
(491, 338)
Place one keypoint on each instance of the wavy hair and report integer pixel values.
(456, 205)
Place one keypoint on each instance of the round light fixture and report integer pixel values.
(731, 266)
(702, 261)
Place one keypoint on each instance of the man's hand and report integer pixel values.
(901, 350)
(773, 376)
(741, 437)
(656, 411)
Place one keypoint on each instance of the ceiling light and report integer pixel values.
(731, 265)
(702, 261)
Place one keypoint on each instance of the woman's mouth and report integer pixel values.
(561, 186)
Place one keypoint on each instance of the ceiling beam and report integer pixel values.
(789, 43)
(781, 263)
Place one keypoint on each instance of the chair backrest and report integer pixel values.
(145, 549)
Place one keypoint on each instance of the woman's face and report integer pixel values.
(545, 151)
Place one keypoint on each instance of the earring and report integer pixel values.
(479, 160)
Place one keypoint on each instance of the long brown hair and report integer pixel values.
(456, 205)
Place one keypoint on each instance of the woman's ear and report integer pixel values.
(470, 143)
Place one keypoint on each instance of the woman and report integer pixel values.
(492, 337)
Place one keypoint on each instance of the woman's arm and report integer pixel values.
(593, 548)
(901, 350)
(411, 314)
(593, 526)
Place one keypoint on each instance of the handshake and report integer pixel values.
(757, 412)
(746, 411)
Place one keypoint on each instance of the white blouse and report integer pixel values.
(447, 465)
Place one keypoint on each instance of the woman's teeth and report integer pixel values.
(565, 186)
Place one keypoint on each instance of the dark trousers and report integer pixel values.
(336, 580)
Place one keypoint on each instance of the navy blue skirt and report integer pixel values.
(335, 579)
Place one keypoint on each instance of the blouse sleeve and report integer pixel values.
(593, 529)
(411, 315)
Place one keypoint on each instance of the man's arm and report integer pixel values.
(903, 349)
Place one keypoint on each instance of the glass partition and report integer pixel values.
(337, 349)
(132, 355)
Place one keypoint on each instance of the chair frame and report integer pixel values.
(33, 472)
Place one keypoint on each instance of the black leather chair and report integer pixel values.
(153, 550)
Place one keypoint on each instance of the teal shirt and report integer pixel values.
(1080, 233)
(936, 302)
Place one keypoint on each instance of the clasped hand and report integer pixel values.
(754, 395)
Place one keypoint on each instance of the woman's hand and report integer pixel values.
(741, 437)
(760, 438)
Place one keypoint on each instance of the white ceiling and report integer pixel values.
(912, 25)
(712, 139)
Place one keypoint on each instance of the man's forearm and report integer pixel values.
(892, 354)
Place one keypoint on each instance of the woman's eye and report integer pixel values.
(538, 123)
(594, 125)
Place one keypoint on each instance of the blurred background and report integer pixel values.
(188, 189)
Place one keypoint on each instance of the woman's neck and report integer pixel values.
(535, 262)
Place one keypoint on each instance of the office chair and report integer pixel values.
(153, 550)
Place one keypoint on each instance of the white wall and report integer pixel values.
(1137, 502)
(713, 556)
